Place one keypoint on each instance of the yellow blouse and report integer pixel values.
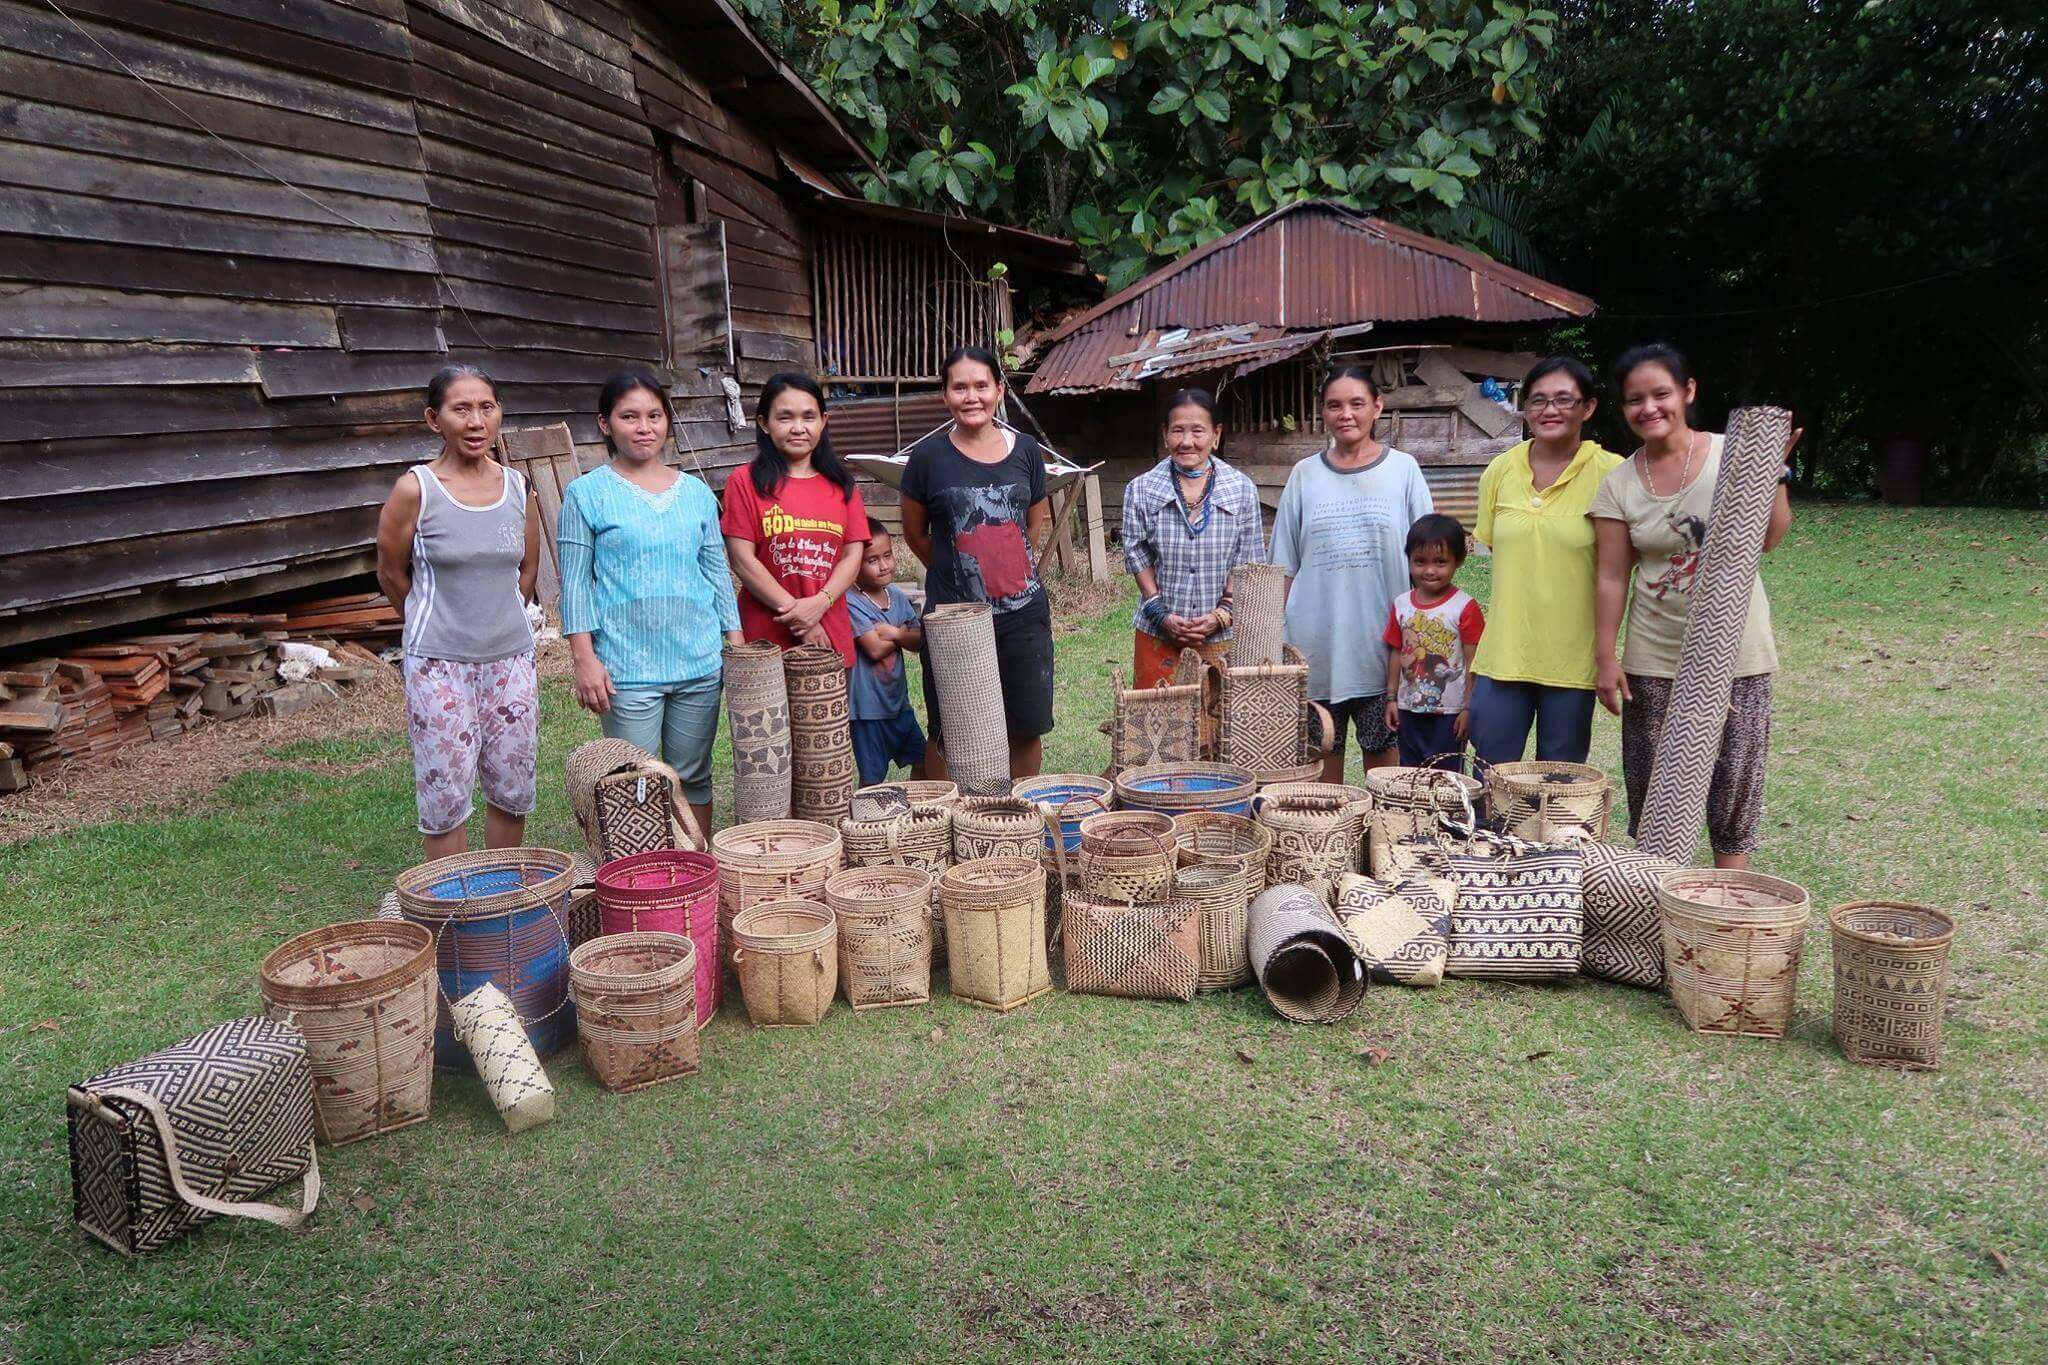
(1539, 626)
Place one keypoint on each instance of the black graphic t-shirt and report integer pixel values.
(977, 516)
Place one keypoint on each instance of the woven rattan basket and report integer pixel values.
(995, 931)
(757, 707)
(885, 934)
(636, 1008)
(960, 649)
(771, 860)
(820, 739)
(1891, 982)
(1318, 831)
(1178, 788)
(668, 891)
(1226, 841)
(1219, 896)
(498, 915)
(364, 995)
(1258, 601)
(997, 827)
(1263, 707)
(922, 839)
(1160, 724)
(1138, 952)
(787, 955)
(1732, 942)
(1128, 856)
(1546, 802)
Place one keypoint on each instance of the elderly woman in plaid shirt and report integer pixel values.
(1189, 521)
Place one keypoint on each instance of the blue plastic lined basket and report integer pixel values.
(501, 917)
(1068, 798)
(1178, 788)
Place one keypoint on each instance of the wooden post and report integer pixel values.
(1098, 555)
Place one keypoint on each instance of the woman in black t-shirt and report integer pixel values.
(975, 512)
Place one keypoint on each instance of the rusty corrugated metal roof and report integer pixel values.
(1308, 268)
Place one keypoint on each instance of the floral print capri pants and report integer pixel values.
(468, 721)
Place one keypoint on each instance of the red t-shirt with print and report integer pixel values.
(798, 534)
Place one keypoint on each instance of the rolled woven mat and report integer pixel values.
(960, 649)
(1752, 456)
(1258, 610)
(485, 1023)
(821, 741)
(757, 703)
(1302, 957)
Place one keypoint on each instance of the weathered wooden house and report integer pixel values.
(237, 235)
(1258, 315)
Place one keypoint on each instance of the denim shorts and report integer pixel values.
(879, 743)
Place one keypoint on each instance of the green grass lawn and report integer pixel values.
(1533, 1171)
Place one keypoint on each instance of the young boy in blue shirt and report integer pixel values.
(885, 729)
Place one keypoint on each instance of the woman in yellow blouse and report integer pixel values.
(1535, 664)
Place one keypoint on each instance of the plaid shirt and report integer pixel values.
(1193, 568)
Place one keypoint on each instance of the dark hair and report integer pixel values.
(1358, 372)
(769, 469)
(1436, 528)
(1654, 353)
(875, 528)
(1193, 398)
(1571, 367)
(980, 355)
(623, 383)
(438, 386)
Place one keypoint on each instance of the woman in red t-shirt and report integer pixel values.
(794, 527)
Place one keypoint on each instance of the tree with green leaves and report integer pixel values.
(1142, 128)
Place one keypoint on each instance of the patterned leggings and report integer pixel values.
(1735, 797)
(468, 721)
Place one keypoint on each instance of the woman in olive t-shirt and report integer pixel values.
(1650, 521)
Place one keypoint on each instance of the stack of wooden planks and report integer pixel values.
(102, 697)
(365, 617)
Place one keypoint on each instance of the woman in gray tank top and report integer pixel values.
(458, 551)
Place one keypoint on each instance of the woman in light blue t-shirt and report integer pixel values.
(1339, 534)
(646, 592)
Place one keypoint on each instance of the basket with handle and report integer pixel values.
(1891, 982)
(1136, 951)
(995, 931)
(498, 916)
(1206, 837)
(1160, 724)
(919, 837)
(1545, 801)
(771, 860)
(364, 995)
(786, 953)
(1732, 943)
(1128, 856)
(885, 934)
(1317, 830)
(636, 1008)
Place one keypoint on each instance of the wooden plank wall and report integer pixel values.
(209, 376)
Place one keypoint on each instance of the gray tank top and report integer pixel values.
(464, 604)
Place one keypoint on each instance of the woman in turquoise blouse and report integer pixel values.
(646, 592)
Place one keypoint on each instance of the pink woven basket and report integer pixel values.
(668, 891)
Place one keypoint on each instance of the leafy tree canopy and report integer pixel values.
(1142, 128)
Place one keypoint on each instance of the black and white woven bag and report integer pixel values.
(172, 1140)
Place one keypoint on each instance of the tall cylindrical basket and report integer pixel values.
(1891, 982)
(668, 891)
(636, 1008)
(787, 956)
(820, 736)
(995, 931)
(757, 706)
(885, 935)
(960, 649)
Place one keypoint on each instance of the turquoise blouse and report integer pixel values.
(644, 574)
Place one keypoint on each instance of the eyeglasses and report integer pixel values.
(1551, 402)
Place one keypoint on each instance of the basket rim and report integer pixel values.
(1515, 774)
(341, 993)
(725, 845)
(963, 877)
(826, 922)
(685, 964)
(411, 883)
(909, 877)
(1838, 923)
(607, 875)
(1794, 902)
